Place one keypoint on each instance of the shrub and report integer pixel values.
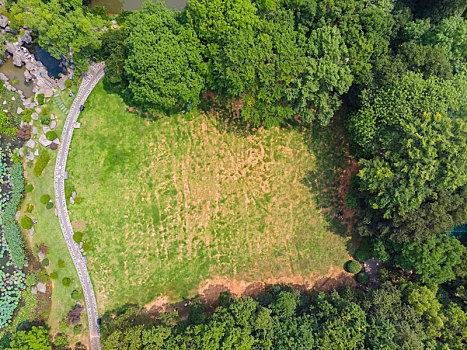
(77, 237)
(44, 111)
(61, 340)
(54, 275)
(362, 255)
(45, 198)
(45, 119)
(69, 188)
(68, 83)
(28, 188)
(30, 208)
(61, 263)
(352, 266)
(41, 163)
(40, 99)
(26, 223)
(75, 294)
(363, 277)
(51, 135)
(27, 118)
(86, 246)
(45, 262)
(14, 82)
(49, 205)
(66, 281)
(78, 200)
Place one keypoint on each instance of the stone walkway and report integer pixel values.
(60, 103)
(96, 72)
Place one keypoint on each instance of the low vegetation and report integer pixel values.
(41, 163)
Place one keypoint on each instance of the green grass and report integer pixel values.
(48, 232)
(173, 202)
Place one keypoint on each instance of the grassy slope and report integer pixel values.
(170, 203)
(48, 229)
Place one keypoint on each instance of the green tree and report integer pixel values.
(416, 141)
(434, 260)
(35, 339)
(162, 60)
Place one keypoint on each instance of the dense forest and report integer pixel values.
(399, 70)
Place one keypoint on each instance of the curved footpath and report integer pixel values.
(95, 73)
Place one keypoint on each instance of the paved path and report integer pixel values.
(96, 72)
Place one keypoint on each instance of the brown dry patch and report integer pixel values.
(350, 215)
(78, 225)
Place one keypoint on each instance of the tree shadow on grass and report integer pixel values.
(329, 181)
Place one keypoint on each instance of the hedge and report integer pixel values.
(41, 163)
(363, 277)
(54, 275)
(61, 263)
(26, 223)
(29, 188)
(353, 266)
(49, 205)
(45, 198)
(51, 135)
(66, 281)
(78, 237)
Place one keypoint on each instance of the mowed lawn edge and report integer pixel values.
(170, 203)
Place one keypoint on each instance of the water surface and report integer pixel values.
(16, 73)
(115, 6)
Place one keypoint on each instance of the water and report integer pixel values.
(51, 63)
(16, 73)
(115, 6)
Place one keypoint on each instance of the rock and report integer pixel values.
(36, 153)
(21, 153)
(52, 116)
(3, 77)
(13, 98)
(31, 144)
(53, 146)
(46, 129)
(4, 21)
(33, 290)
(19, 110)
(27, 75)
(4, 102)
(57, 141)
(13, 89)
(77, 125)
(73, 194)
(41, 287)
(26, 38)
(81, 244)
(17, 60)
(11, 48)
(38, 110)
(34, 116)
(30, 156)
(72, 201)
(40, 255)
(34, 221)
(113, 21)
(114, 26)
(32, 231)
(34, 130)
(43, 141)
(53, 124)
(17, 215)
(56, 212)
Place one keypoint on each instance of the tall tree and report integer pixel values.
(37, 338)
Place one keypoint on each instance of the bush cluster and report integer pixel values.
(45, 198)
(41, 163)
(66, 281)
(49, 205)
(10, 227)
(45, 119)
(45, 262)
(51, 135)
(352, 266)
(68, 83)
(363, 278)
(29, 188)
(362, 255)
(40, 99)
(26, 223)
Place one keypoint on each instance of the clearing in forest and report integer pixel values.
(170, 203)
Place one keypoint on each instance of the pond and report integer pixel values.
(115, 6)
(16, 73)
(51, 63)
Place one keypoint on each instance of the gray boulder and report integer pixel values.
(38, 110)
(26, 38)
(34, 116)
(31, 144)
(30, 156)
(53, 124)
(43, 141)
(41, 287)
(17, 60)
(19, 110)
(11, 48)
(34, 130)
(4, 21)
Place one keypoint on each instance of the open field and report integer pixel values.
(168, 204)
(48, 232)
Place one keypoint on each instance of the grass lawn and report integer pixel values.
(48, 232)
(167, 204)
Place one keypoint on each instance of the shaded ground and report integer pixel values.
(170, 203)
